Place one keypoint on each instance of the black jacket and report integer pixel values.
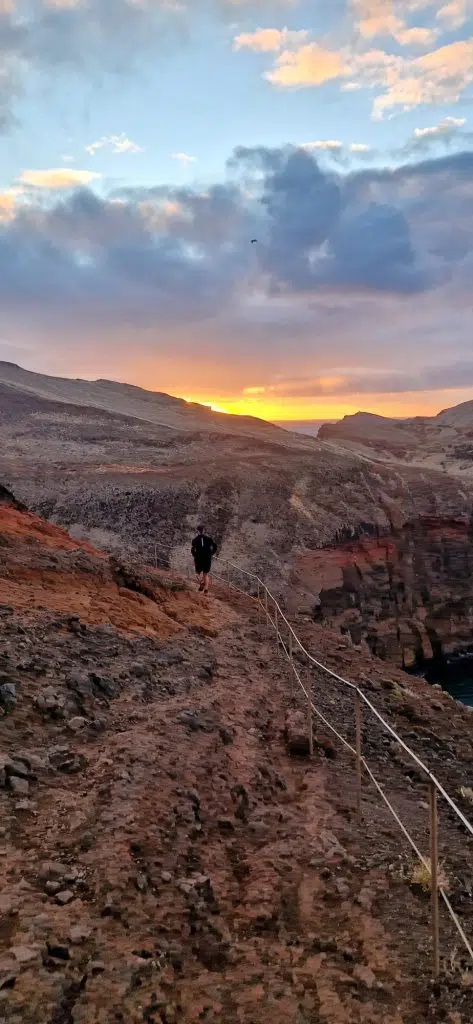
(203, 547)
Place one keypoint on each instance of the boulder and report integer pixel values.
(296, 734)
(19, 786)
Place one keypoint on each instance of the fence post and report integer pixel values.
(266, 607)
(358, 756)
(291, 663)
(309, 717)
(434, 880)
(277, 627)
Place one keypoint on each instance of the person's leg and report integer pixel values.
(205, 577)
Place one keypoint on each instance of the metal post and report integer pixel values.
(309, 717)
(277, 627)
(358, 756)
(266, 607)
(434, 880)
(259, 603)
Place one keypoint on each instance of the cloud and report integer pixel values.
(268, 40)
(438, 77)
(384, 18)
(8, 199)
(94, 39)
(338, 151)
(447, 132)
(440, 130)
(330, 145)
(184, 158)
(455, 14)
(117, 143)
(57, 178)
(334, 251)
(370, 381)
(308, 65)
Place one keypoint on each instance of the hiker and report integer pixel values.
(203, 548)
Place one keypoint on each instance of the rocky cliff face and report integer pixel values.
(381, 544)
(407, 594)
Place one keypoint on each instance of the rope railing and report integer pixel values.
(266, 602)
(435, 787)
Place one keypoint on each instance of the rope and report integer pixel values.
(352, 686)
(392, 732)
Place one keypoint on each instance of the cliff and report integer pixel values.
(373, 535)
(407, 594)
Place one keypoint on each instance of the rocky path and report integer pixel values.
(176, 865)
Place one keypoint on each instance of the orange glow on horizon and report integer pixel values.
(273, 408)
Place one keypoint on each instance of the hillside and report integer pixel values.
(125, 400)
(295, 514)
(441, 442)
(164, 859)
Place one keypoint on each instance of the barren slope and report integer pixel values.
(310, 520)
(442, 442)
(163, 859)
(152, 407)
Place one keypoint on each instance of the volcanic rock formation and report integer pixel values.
(352, 529)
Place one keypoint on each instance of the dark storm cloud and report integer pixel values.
(301, 204)
(372, 249)
(177, 254)
(307, 209)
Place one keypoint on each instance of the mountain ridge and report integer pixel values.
(155, 407)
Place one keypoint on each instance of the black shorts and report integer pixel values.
(202, 565)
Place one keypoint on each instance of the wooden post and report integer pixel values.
(309, 717)
(291, 664)
(434, 880)
(358, 756)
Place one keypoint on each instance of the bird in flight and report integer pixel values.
(253, 240)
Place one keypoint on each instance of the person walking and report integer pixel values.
(203, 549)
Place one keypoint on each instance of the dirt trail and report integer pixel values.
(218, 879)
(162, 858)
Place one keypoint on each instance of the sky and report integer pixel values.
(263, 205)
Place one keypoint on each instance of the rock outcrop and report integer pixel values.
(407, 595)
(363, 530)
